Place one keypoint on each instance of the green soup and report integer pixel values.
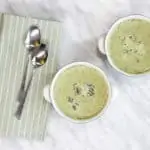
(81, 92)
(129, 46)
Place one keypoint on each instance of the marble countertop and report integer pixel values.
(126, 123)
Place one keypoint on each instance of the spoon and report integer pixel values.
(32, 41)
(38, 59)
(33, 37)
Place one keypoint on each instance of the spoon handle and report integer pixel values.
(23, 98)
(22, 86)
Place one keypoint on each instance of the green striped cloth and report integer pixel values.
(12, 61)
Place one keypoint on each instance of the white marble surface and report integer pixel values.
(126, 123)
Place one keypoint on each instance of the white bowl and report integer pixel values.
(104, 46)
(49, 94)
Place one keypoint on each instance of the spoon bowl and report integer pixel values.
(39, 56)
(33, 37)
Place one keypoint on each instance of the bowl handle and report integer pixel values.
(46, 93)
(101, 44)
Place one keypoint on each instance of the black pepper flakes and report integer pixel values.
(77, 104)
(74, 107)
(70, 99)
(76, 89)
(135, 51)
(130, 36)
(91, 90)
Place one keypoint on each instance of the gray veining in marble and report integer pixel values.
(126, 123)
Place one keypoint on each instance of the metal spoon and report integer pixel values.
(33, 37)
(32, 41)
(38, 59)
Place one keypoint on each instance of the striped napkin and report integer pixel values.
(12, 61)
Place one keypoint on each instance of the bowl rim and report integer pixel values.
(69, 118)
(108, 35)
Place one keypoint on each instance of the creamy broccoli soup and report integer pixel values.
(81, 92)
(129, 46)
